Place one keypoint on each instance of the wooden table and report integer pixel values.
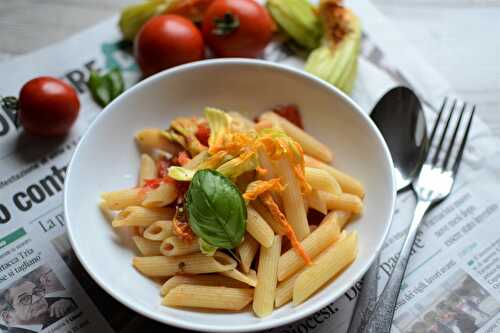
(458, 37)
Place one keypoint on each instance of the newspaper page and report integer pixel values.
(453, 279)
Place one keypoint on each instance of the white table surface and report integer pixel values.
(460, 38)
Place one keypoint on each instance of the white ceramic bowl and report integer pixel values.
(107, 159)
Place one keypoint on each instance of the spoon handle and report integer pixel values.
(383, 313)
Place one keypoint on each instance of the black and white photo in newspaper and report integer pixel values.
(32, 173)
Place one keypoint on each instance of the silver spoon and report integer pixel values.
(400, 118)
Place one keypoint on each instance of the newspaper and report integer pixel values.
(453, 279)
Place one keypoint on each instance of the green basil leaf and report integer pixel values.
(115, 82)
(217, 211)
(106, 87)
(98, 89)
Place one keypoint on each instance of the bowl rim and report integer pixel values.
(264, 324)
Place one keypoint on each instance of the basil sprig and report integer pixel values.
(217, 211)
(106, 87)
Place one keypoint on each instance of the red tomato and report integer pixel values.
(237, 28)
(166, 41)
(203, 133)
(191, 9)
(291, 113)
(48, 106)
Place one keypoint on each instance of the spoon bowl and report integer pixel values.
(400, 118)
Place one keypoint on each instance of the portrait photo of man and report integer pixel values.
(28, 307)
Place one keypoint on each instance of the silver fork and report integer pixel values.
(431, 187)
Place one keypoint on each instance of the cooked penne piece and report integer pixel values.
(265, 290)
(198, 263)
(174, 246)
(121, 199)
(332, 261)
(342, 218)
(247, 251)
(320, 179)
(250, 278)
(151, 138)
(293, 202)
(147, 247)
(147, 169)
(222, 298)
(202, 280)
(345, 201)
(258, 228)
(317, 241)
(141, 216)
(309, 144)
(316, 201)
(284, 290)
(268, 217)
(348, 183)
(108, 213)
(164, 194)
(158, 230)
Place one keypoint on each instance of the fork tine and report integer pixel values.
(458, 159)
(443, 135)
(436, 123)
(452, 142)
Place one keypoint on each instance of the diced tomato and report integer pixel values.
(291, 113)
(183, 158)
(203, 133)
(152, 183)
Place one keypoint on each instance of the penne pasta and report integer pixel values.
(258, 228)
(151, 138)
(106, 212)
(320, 179)
(174, 246)
(317, 241)
(267, 216)
(284, 290)
(332, 261)
(163, 195)
(265, 290)
(250, 278)
(147, 169)
(198, 263)
(309, 144)
(141, 216)
(345, 201)
(247, 251)
(293, 202)
(317, 202)
(348, 183)
(178, 217)
(202, 280)
(121, 199)
(147, 247)
(222, 298)
(158, 230)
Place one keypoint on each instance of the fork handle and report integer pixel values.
(383, 313)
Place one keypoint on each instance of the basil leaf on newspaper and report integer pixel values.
(217, 211)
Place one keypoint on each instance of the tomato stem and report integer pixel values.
(226, 24)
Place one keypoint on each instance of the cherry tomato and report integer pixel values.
(191, 9)
(237, 28)
(166, 41)
(48, 106)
